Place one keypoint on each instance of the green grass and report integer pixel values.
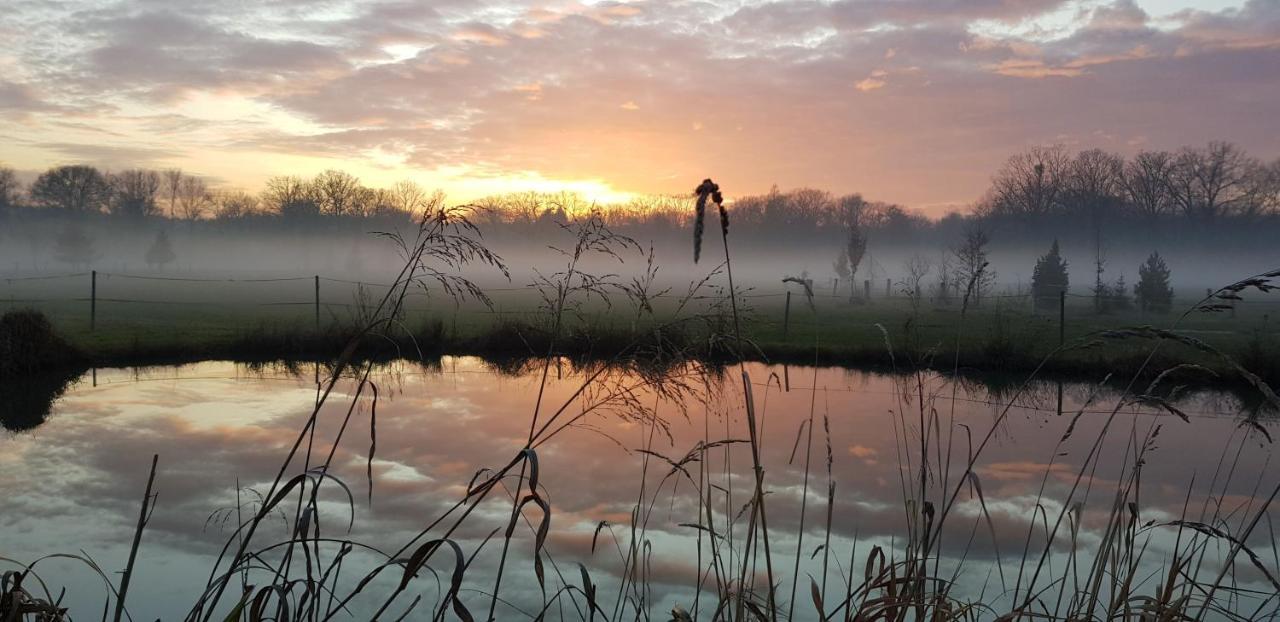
(1000, 335)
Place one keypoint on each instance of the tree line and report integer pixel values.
(142, 193)
(1204, 184)
(1215, 182)
(1188, 197)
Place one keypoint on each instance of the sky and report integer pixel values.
(910, 101)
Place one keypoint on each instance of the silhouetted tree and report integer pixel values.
(172, 180)
(973, 271)
(942, 289)
(1049, 279)
(194, 198)
(75, 188)
(1030, 183)
(853, 208)
(1146, 184)
(133, 193)
(841, 266)
(161, 252)
(338, 193)
(1152, 290)
(233, 205)
(73, 246)
(410, 198)
(1211, 182)
(8, 188)
(915, 270)
(1270, 195)
(291, 197)
(1263, 191)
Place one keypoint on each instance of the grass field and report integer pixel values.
(138, 323)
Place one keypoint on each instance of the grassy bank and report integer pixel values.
(999, 335)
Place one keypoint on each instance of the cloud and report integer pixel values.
(875, 81)
(111, 156)
(18, 97)
(494, 86)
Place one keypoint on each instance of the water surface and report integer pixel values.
(73, 482)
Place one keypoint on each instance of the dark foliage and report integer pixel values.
(1049, 279)
(1153, 291)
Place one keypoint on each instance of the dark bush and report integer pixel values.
(29, 345)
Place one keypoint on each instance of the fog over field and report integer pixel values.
(1211, 212)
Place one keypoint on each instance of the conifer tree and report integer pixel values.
(1049, 279)
(1152, 290)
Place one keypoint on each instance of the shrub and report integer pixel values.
(28, 344)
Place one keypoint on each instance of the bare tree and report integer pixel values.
(8, 188)
(194, 198)
(973, 273)
(1146, 183)
(172, 186)
(1263, 191)
(853, 209)
(1211, 182)
(133, 193)
(911, 285)
(809, 205)
(1030, 183)
(75, 188)
(291, 197)
(412, 198)
(1269, 195)
(236, 204)
(1095, 179)
(337, 192)
(946, 282)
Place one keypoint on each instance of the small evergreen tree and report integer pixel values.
(1118, 296)
(73, 246)
(1049, 279)
(161, 251)
(1111, 297)
(1153, 291)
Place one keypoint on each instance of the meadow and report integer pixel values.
(176, 318)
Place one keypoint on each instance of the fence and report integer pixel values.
(76, 293)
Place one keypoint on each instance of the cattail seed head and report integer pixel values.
(707, 189)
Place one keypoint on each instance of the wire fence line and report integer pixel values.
(95, 282)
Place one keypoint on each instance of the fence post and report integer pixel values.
(866, 289)
(93, 300)
(317, 302)
(786, 318)
(835, 287)
(1062, 317)
(887, 288)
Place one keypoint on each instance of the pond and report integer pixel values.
(1057, 459)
